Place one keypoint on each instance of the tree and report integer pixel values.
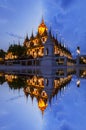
(17, 50)
(2, 53)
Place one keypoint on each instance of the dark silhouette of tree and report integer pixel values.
(17, 83)
(2, 79)
(17, 50)
(2, 53)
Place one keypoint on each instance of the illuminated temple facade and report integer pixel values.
(45, 44)
(43, 49)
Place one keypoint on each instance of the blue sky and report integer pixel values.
(66, 17)
(17, 18)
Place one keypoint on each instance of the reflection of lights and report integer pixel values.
(35, 78)
(78, 82)
(27, 90)
(83, 59)
(44, 94)
(42, 105)
(1, 59)
(1, 74)
(64, 88)
(10, 78)
(35, 92)
(84, 73)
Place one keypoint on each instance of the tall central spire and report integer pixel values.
(43, 20)
(42, 27)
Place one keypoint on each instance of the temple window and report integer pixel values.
(47, 52)
(46, 81)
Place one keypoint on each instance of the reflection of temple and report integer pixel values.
(2, 78)
(81, 60)
(14, 81)
(81, 72)
(44, 89)
(10, 77)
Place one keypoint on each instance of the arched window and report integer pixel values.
(47, 51)
(46, 81)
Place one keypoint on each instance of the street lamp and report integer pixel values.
(78, 50)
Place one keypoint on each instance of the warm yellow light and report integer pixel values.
(35, 92)
(41, 30)
(1, 59)
(42, 27)
(42, 105)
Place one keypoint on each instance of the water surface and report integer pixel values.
(56, 102)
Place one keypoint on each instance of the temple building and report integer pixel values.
(35, 44)
(42, 49)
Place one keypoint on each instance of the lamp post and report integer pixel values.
(78, 50)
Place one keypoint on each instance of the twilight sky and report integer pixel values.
(66, 17)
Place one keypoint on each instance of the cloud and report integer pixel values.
(67, 3)
(68, 18)
(14, 35)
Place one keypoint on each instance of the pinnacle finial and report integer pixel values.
(32, 36)
(50, 34)
(42, 19)
(26, 35)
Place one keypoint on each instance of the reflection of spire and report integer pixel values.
(42, 114)
(26, 93)
(32, 96)
(42, 105)
(50, 101)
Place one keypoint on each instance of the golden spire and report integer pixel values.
(42, 20)
(42, 27)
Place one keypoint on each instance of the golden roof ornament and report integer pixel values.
(42, 27)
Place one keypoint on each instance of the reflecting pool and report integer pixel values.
(33, 100)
